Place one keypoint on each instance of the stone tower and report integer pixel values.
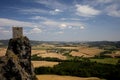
(17, 32)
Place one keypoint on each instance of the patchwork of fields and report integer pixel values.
(67, 53)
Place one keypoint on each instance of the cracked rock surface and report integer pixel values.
(16, 64)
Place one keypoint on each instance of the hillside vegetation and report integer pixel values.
(83, 68)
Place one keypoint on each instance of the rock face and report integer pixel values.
(16, 64)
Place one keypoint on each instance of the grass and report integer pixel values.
(106, 60)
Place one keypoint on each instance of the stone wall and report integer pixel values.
(17, 32)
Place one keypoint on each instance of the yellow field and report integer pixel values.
(53, 55)
(86, 52)
(69, 47)
(56, 77)
(83, 51)
(44, 63)
(114, 54)
(38, 52)
(2, 51)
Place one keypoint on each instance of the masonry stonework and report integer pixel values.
(17, 32)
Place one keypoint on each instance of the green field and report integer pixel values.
(106, 60)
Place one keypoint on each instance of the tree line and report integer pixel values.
(84, 68)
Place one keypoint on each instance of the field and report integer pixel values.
(53, 55)
(83, 51)
(2, 51)
(39, 51)
(87, 52)
(57, 77)
(45, 56)
(44, 63)
(106, 60)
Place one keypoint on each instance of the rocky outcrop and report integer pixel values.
(16, 64)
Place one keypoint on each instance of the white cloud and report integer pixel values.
(52, 4)
(60, 32)
(70, 27)
(75, 19)
(35, 30)
(103, 1)
(5, 31)
(82, 27)
(11, 22)
(50, 23)
(113, 10)
(98, 3)
(45, 24)
(63, 26)
(55, 11)
(38, 18)
(72, 19)
(86, 11)
(32, 11)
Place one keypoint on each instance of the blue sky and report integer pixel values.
(62, 20)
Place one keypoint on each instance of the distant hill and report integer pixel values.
(4, 43)
(100, 44)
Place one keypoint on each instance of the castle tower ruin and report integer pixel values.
(17, 32)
